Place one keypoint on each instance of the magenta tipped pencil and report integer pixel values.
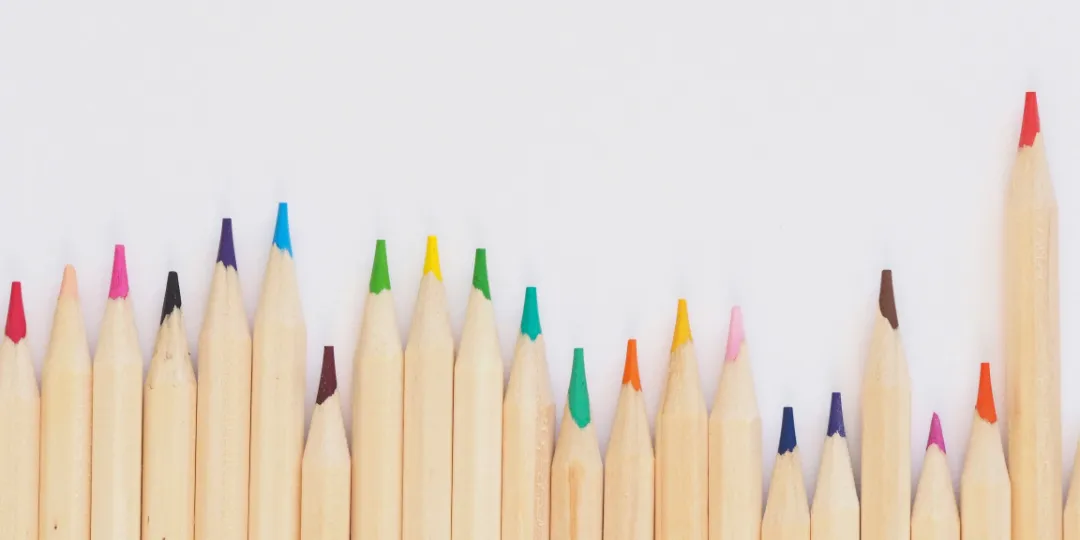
(934, 515)
(19, 427)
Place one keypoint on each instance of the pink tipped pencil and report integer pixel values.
(934, 515)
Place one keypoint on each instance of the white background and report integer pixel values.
(774, 154)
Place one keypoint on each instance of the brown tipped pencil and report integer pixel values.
(628, 469)
(985, 493)
(934, 515)
(20, 428)
(577, 474)
(835, 513)
(324, 498)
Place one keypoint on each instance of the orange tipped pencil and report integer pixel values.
(934, 515)
(628, 469)
(984, 485)
(1032, 338)
(20, 427)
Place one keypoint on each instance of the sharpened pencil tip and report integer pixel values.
(530, 315)
(787, 432)
(984, 404)
(577, 399)
(736, 335)
(1030, 126)
(630, 369)
(282, 238)
(15, 329)
(886, 299)
(480, 273)
(172, 296)
(682, 326)
(431, 258)
(118, 288)
(69, 285)
(380, 270)
(328, 378)
(936, 437)
(226, 252)
(836, 417)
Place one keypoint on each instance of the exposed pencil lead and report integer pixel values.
(630, 369)
(226, 253)
(480, 273)
(682, 326)
(1030, 126)
(69, 285)
(328, 378)
(836, 417)
(431, 258)
(886, 299)
(577, 398)
(282, 238)
(530, 315)
(787, 432)
(936, 437)
(984, 404)
(118, 288)
(736, 335)
(15, 329)
(380, 271)
(172, 296)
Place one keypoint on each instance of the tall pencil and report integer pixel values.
(478, 395)
(835, 512)
(886, 428)
(1032, 338)
(168, 482)
(429, 403)
(1072, 503)
(628, 469)
(279, 345)
(984, 483)
(64, 508)
(787, 515)
(223, 423)
(116, 449)
(682, 439)
(528, 434)
(19, 427)
(577, 474)
(324, 499)
(735, 445)
(378, 386)
(934, 515)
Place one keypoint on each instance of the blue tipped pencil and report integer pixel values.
(835, 513)
(787, 514)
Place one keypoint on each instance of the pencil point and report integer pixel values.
(480, 274)
(530, 315)
(69, 285)
(172, 296)
(282, 239)
(328, 379)
(836, 417)
(735, 336)
(682, 327)
(431, 258)
(630, 369)
(119, 286)
(380, 270)
(936, 438)
(16, 315)
(577, 398)
(1030, 126)
(886, 299)
(226, 252)
(787, 432)
(984, 405)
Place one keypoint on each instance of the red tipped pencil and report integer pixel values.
(19, 427)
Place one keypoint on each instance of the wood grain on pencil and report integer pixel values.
(628, 469)
(577, 473)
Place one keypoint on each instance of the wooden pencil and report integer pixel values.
(577, 474)
(116, 448)
(64, 507)
(223, 424)
(324, 499)
(682, 439)
(279, 345)
(1072, 503)
(528, 434)
(628, 468)
(429, 402)
(886, 428)
(378, 386)
(1032, 338)
(835, 512)
(787, 515)
(934, 515)
(168, 481)
(735, 445)
(20, 428)
(478, 395)
(985, 507)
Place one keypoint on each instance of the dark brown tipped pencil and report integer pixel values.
(324, 498)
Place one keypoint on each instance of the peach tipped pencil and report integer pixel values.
(682, 440)
(378, 386)
(324, 499)
(934, 515)
(528, 434)
(886, 427)
(223, 413)
(429, 402)
(1032, 338)
(835, 511)
(984, 484)
(628, 469)
(116, 449)
(20, 427)
(787, 515)
(279, 348)
(735, 445)
(577, 474)
(64, 502)
(168, 481)
(478, 394)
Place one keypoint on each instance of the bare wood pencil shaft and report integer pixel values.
(19, 440)
(985, 500)
(577, 484)
(326, 465)
(735, 455)
(1072, 504)
(835, 512)
(787, 514)
(629, 472)
(934, 515)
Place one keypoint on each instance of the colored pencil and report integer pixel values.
(429, 402)
(1072, 503)
(224, 404)
(577, 473)
(886, 428)
(835, 512)
(20, 427)
(628, 469)
(279, 348)
(378, 386)
(985, 506)
(787, 514)
(64, 509)
(934, 515)
(324, 499)
(1032, 338)
(528, 434)
(478, 394)
(116, 448)
(735, 469)
(682, 439)
(168, 481)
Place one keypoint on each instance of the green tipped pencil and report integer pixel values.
(577, 473)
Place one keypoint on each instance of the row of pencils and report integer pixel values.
(442, 451)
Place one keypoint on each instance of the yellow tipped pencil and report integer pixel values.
(934, 515)
(577, 474)
(835, 513)
(682, 440)
(787, 515)
(324, 498)
(20, 428)
(985, 492)
(628, 469)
